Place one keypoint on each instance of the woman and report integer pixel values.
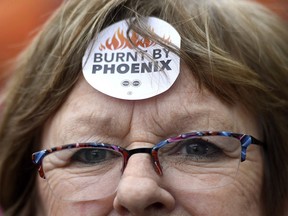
(232, 81)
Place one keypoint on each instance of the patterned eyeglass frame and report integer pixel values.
(245, 140)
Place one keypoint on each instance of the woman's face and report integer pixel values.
(89, 115)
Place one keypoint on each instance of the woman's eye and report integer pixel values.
(195, 148)
(91, 156)
(198, 149)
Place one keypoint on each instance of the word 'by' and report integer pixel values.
(133, 62)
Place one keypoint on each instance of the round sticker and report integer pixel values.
(112, 65)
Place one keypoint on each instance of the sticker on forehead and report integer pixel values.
(114, 67)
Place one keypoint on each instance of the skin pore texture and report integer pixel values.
(88, 115)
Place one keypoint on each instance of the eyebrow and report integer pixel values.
(85, 125)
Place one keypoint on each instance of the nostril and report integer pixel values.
(159, 205)
(156, 206)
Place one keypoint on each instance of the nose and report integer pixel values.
(139, 190)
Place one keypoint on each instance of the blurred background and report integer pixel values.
(20, 20)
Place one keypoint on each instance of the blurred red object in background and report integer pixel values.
(19, 19)
(279, 6)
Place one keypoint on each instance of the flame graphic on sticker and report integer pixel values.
(119, 41)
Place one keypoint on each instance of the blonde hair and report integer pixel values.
(235, 48)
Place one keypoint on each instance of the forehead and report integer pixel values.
(88, 114)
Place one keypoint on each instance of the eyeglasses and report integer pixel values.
(191, 161)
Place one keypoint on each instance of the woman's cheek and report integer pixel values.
(50, 205)
(242, 196)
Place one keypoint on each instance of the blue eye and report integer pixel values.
(195, 149)
(92, 156)
(199, 148)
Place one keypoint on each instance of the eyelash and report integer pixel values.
(179, 146)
